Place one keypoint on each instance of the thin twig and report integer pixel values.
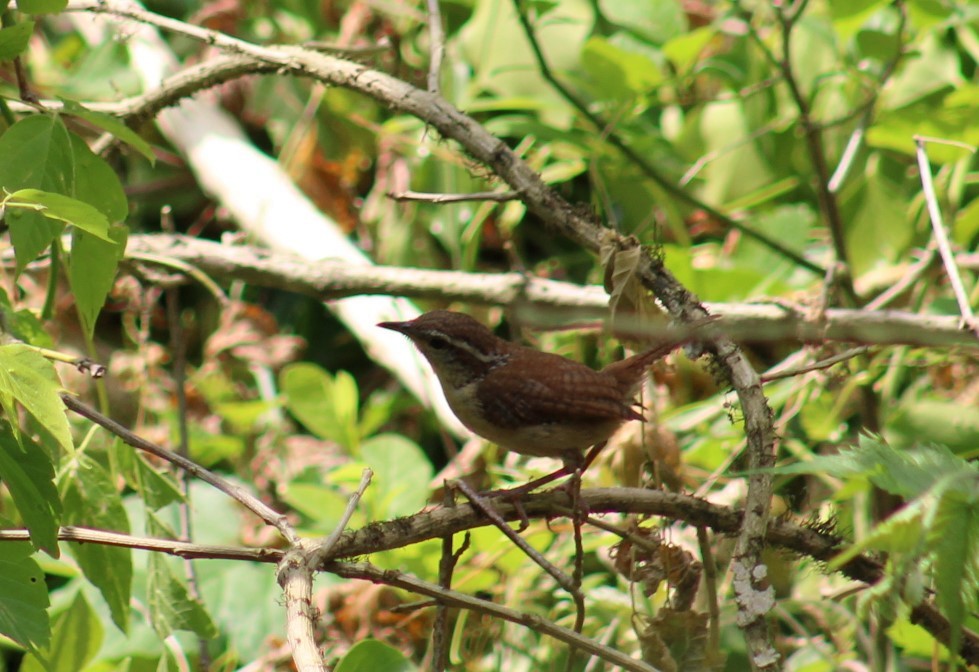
(176, 548)
(82, 364)
(23, 88)
(425, 197)
(866, 109)
(710, 585)
(436, 46)
(296, 572)
(187, 269)
(815, 366)
(907, 279)
(245, 498)
(326, 547)
(447, 564)
(853, 145)
(178, 353)
(493, 515)
(453, 598)
(578, 574)
(941, 236)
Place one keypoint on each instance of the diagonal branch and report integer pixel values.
(245, 498)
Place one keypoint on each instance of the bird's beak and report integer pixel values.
(400, 327)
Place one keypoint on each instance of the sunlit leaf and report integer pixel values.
(371, 655)
(37, 154)
(62, 208)
(325, 404)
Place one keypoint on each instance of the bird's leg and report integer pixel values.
(530, 486)
(592, 454)
(570, 467)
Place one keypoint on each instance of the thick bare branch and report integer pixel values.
(741, 321)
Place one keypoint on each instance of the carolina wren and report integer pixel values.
(525, 400)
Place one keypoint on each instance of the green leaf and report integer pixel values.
(903, 533)
(111, 125)
(937, 420)
(684, 50)
(91, 499)
(232, 590)
(966, 225)
(41, 6)
(208, 448)
(326, 405)
(849, 15)
(28, 473)
(616, 73)
(956, 546)
(92, 271)
(62, 208)
(737, 168)
(370, 655)
(36, 154)
(820, 417)
(29, 379)
(170, 604)
(934, 67)
(76, 639)
(908, 473)
(792, 225)
(843, 9)
(14, 39)
(323, 506)
(879, 44)
(23, 597)
(503, 63)
(946, 117)
(912, 472)
(157, 489)
(97, 184)
(401, 475)
(243, 417)
(877, 229)
(31, 233)
(23, 324)
(654, 20)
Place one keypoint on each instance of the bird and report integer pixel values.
(525, 400)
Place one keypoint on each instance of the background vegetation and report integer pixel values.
(803, 497)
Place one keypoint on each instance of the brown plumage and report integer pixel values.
(525, 400)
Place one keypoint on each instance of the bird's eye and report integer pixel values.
(438, 342)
